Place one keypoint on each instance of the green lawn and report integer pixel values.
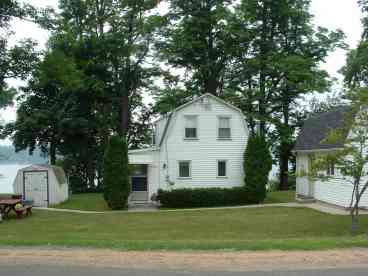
(280, 197)
(238, 229)
(85, 202)
(96, 202)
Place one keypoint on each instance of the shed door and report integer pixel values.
(36, 188)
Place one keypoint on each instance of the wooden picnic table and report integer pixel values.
(7, 205)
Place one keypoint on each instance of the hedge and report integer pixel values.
(116, 173)
(206, 197)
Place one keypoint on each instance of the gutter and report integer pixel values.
(316, 150)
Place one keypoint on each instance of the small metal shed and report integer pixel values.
(44, 184)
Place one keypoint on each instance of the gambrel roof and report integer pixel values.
(197, 99)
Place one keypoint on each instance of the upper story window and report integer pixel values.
(224, 128)
(191, 126)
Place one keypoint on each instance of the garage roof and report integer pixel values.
(317, 128)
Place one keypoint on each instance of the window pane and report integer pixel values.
(191, 126)
(191, 121)
(190, 133)
(224, 123)
(184, 169)
(138, 170)
(224, 128)
(224, 133)
(221, 168)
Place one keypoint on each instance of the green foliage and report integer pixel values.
(198, 39)
(16, 61)
(203, 197)
(282, 64)
(116, 174)
(257, 166)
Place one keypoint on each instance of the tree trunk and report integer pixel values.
(262, 73)
(284, 166)
(285, 137)
(52, 153)
(355, 218)
(124, 115)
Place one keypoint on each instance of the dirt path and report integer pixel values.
(204, 261)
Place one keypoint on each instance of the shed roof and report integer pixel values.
(58, 171)
(316, 129)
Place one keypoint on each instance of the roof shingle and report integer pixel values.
(318, 127)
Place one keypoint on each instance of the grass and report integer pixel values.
(280, 197)
(237, 229)
(85, 202)
(96, 202)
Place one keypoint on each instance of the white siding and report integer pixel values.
(303, 186)
(337, 192)
(139, 158)
(59, 192)
(206, 151)
(154, 175)
(160, 128)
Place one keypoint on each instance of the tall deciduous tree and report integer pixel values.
(42, 105)
(15, 61)
(129, 40)
(198, 39)
(282, 66)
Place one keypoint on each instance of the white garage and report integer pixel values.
(44, 184)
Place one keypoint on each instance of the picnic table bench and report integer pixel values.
(8, 205)
(25, 210)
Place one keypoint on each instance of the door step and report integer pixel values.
(141, 206)
(305, 199)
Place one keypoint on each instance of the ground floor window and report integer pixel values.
(184, 169)
(221, 168)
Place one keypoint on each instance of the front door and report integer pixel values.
(36, 188)
(139, 183)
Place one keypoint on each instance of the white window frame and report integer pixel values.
(226, 168)
(197, 129)
(190, 169)
(218, 127)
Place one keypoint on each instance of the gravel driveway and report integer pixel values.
(193, 261)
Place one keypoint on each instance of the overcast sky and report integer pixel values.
(332, 14)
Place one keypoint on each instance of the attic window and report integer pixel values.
(224, 130)
(191, 127)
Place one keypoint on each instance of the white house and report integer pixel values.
(310, 142)
(198, 145)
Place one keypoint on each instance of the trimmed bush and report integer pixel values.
(116, 174)
(206, 197)
(257, 166)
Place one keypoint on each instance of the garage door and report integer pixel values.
(36, 188)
